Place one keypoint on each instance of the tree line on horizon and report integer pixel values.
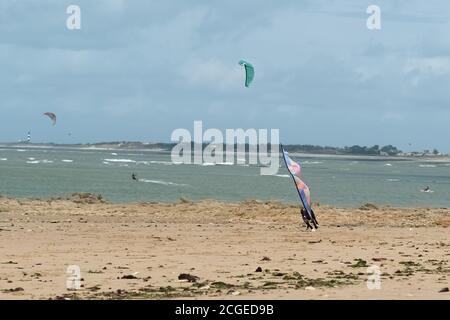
(301, 148)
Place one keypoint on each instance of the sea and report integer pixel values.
(49, 172)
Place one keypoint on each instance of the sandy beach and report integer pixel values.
(214, 250)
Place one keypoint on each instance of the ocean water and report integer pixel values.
(343, 182)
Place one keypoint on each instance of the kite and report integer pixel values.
(249, 72)
(52, 116)
(303, 191)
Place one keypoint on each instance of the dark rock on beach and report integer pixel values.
(188, 277)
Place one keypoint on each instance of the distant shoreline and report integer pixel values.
(166, 147)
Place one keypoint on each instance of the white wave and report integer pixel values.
(166, 183)
(427, 165)
(3, 159)
(388, 165)
(393, 180)
(225, 163)
(114, 154)
(21, 150)
(66, 160)
(282, 175)
(312, 162)
(167, 163)
(31, 159)
(207, 164)
(120, 160)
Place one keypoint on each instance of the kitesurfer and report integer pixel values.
(133, 176)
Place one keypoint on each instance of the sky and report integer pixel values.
(137, 70)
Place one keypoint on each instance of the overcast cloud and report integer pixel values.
(137, 70)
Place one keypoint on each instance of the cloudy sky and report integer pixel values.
(137, 70)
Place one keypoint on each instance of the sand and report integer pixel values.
(249, 250)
